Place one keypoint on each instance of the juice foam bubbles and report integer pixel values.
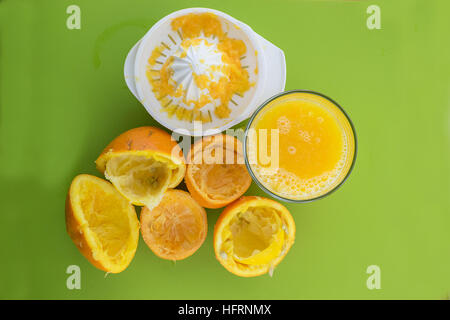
(316, 146)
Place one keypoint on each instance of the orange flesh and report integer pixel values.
(105, 213)
(253, 231)
(176, 227)
(311, 146)
(219, 181)
(235, 79)
(252, 236)
(102, 223)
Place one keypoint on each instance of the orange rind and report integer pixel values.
(142, 163)
(216, 174)
(253, 235)
(176, 227)
(102, 223)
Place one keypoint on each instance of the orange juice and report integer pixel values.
(315, 145)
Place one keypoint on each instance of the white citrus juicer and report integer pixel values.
(193, 68)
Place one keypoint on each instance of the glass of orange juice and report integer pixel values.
(300, 146)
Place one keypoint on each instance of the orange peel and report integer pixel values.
(253, 235)
(142, 163)
(210, 178)
(176, 228)
(102, 223)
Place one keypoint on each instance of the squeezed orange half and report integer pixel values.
(301, 146)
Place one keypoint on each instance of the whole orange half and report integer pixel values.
(176, 227)
(143, 163)
(216, 174)
(253, 235)
(102, 223)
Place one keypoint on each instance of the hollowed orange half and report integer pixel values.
(102, 223)
(253, 235)
(143, 163)
(216, 174)
(176, 227)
